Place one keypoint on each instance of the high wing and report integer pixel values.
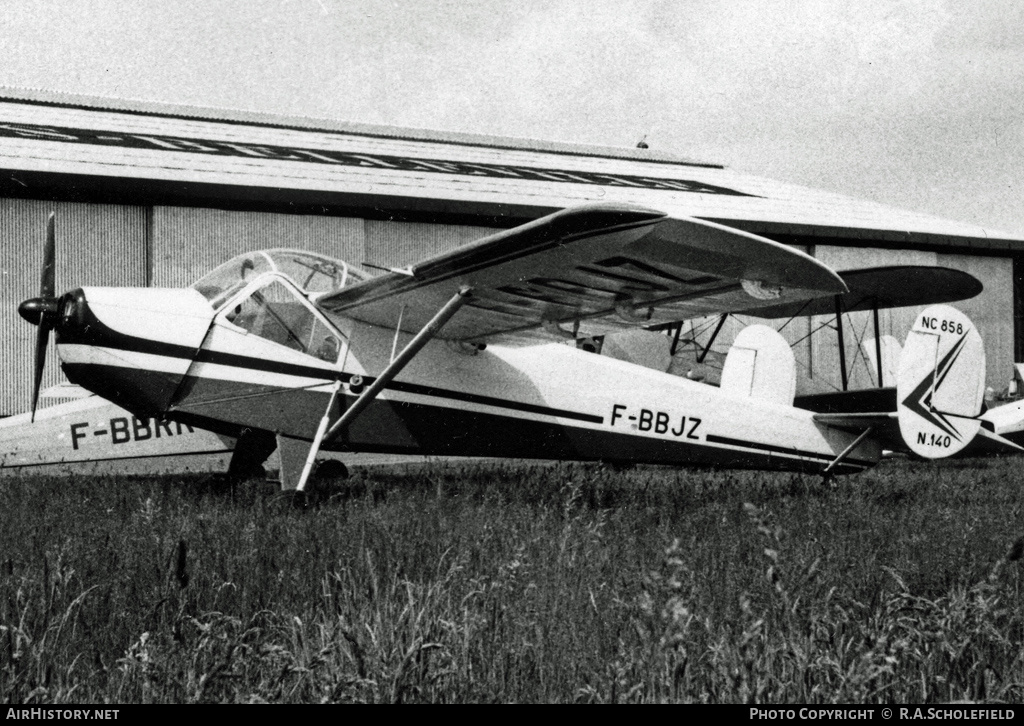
(601, 268)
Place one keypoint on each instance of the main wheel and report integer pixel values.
(329, 471)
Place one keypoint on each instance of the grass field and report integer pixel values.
(518, 582)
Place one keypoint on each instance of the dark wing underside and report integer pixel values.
(883, 288)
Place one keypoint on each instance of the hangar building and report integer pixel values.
(151, 194)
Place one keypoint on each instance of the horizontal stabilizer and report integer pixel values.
(989, 442)
(861, 401)
(1006, 420)
(66, 390)
(885, 428)
(856, 421)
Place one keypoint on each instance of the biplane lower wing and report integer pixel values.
(598, 268)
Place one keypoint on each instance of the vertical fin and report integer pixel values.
(940, 386)
(760, 365)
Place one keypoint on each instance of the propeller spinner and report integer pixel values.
(44, 310)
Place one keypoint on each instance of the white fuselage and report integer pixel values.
(547, 401)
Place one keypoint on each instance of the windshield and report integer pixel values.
(275, 313)
(315, 274)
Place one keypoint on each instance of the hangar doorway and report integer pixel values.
(1018, 308)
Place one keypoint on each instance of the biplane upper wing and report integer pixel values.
(883, 288)
(600, 267)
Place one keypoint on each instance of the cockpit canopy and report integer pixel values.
(315, 274)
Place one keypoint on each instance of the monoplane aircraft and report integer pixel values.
(459, 354)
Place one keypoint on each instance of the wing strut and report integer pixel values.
(314, 449)
(842, 343)
(878, 342)
(846, 452)
(707, 348)
(432, 328)
(675, 338)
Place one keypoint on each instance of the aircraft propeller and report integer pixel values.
(44, 310)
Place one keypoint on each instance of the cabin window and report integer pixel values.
(274, 312)
(227, 279)
(314, 274)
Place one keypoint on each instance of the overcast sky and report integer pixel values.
(913, 103)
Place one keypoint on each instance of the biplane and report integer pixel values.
(462, 354)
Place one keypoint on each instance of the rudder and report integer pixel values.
(940, 386)
(760, 365)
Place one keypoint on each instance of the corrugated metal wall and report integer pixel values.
(96, 245)
(397, 244)
(188, 242)
(991, 311)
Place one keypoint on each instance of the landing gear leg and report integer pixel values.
(251, 449)
(826, 476)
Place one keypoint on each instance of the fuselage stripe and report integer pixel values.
(491, 401)
(326, 375)
(714, 439)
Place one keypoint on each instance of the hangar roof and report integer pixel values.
(51, 142)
